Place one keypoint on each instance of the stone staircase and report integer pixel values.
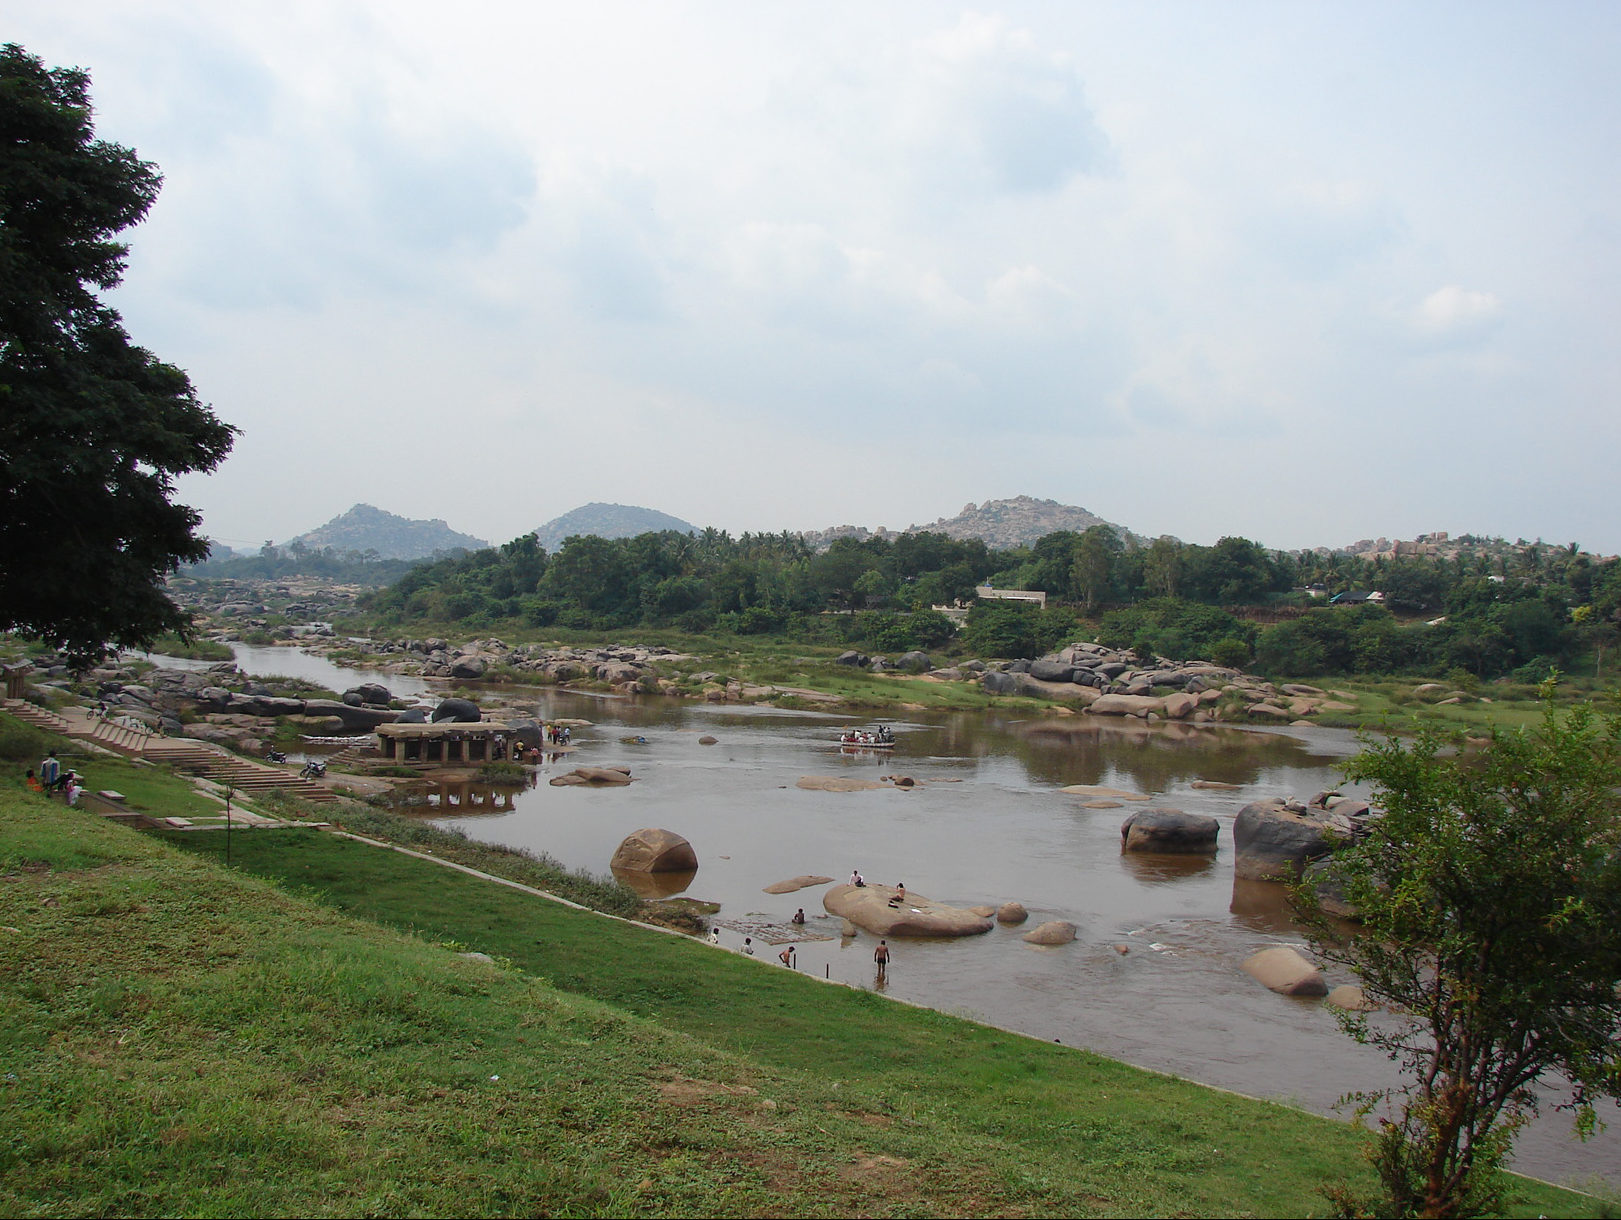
(230, 771)
(135, 740)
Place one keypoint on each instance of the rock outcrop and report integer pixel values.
(654, 850)
(1285, 971)
(1054, 932)
(1274, 842)
(593, 777)
(795, 883)
(1169, 832)
(868, 907)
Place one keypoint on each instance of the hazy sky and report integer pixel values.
(1302, 272)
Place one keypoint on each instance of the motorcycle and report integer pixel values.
(275, 756)
(313, 770)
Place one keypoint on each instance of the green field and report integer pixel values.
(298, 1035)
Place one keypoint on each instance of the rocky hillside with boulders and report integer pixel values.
(365, 528)
(1020, 521)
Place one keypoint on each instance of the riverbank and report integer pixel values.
(302, 1033)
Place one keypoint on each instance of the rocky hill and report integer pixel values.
(608, 521)
(1001, 523)
(364, 528)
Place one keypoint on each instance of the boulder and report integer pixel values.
(998, 683)
(868, 907)
(1180, 705)
(859, 660)
(1052, 671)
(1011, 913)
(795, 883)
(836, 783)
(1285, 971)
(358, 718)
(413, 715)
(1351, 998)
(527, 733)
(1054, 932)
(914, 662)
(468, 667)
(1274, 843)
(370, 692)
(1320, 874)
(1169, 832)
(654, 851)
(707, 740)
(457, 711)
(593, 777)
(983, 909)
(1126, 705)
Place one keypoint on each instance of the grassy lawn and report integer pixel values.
(1057, 1131)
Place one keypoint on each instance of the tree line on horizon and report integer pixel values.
(1492, 611)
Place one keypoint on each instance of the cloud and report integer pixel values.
(1454, 311)
(990, 110)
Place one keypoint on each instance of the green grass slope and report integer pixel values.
(178, 1037)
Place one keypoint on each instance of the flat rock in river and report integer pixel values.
(836, 783)
(867, 906)
(795, 883)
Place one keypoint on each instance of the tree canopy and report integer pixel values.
(1490, 901)
(93, 429)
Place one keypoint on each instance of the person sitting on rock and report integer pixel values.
(799, 916)
(900, 895)
(855, 880)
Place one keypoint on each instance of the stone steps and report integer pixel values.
(205, 760)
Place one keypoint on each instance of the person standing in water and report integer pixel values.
(881, 956)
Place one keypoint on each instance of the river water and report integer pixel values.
(988, 823)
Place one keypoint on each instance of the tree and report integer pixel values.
(1490, 899)
(93, 429)
(1092, 573)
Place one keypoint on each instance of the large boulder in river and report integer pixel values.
(654, 851)
(1053, 932)
(413, 715)
(1169, 832)
(593, 777)
(1285, 971)
(1274, 843)
(868, 906)
(457, 711)
(1011, 913)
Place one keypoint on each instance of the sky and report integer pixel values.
(1303, 273)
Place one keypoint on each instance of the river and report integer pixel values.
(987, 823)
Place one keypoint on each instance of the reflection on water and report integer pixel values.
(655, 885)
(1167, 869)
(465, 798)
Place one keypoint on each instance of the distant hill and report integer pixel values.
(608, 521)
(1001, 523)
(364, 528)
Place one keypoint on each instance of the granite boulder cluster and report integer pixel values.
(1111, 682)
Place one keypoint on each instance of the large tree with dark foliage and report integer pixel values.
(93, 429)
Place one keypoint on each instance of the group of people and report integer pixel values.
(52, 778)
(790, 956)
(881, 736)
